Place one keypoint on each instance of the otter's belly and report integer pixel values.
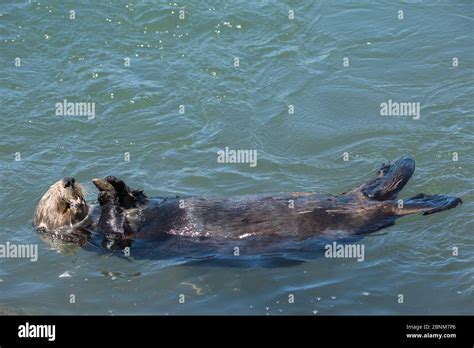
(294, 215)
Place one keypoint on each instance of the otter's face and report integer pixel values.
(63, 205)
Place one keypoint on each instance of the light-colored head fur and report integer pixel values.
(62, 206)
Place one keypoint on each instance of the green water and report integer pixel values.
(283, 64)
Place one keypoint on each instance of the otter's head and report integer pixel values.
(63, 205)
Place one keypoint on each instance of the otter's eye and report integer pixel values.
(66, 206)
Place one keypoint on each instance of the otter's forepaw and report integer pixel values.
(117, 183)
(126, 197)
(107, 197)
(103, 185)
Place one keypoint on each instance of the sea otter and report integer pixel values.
(123, 215)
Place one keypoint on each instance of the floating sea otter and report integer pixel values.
(124, 215)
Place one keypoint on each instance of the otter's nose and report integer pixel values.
(68, 181)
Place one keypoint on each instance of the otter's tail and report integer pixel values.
(390, 181)
(425, 204)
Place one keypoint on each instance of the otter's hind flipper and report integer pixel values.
(427, 204)
(390, 181)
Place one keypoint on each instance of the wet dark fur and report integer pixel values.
(129, 215)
